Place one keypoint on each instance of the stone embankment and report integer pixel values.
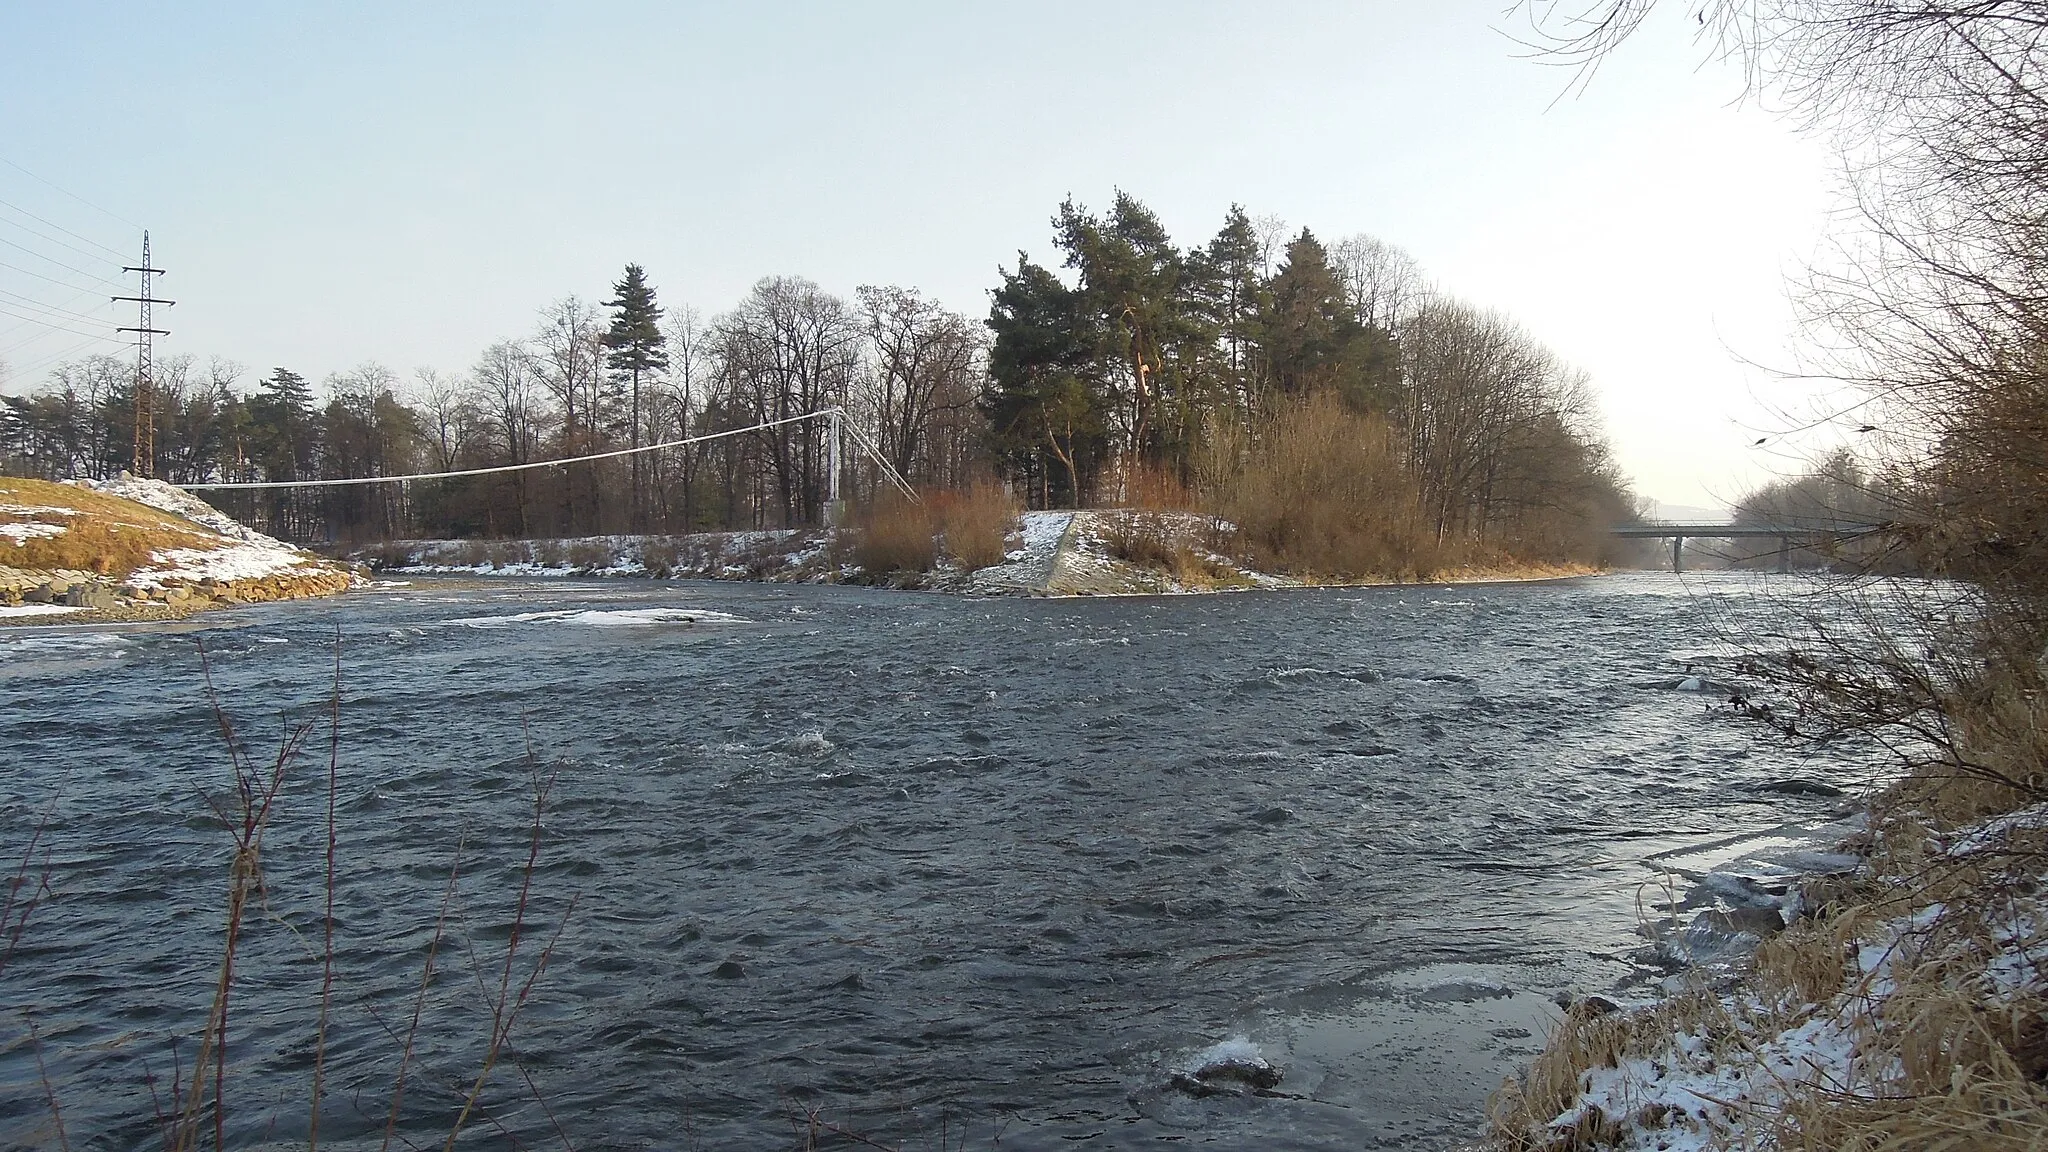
(102, 598)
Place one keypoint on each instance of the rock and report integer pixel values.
(40, 594)
(1594, 1006)
(89, 596)
(1762, 923)
(58, 586)
(1235, 1067)
(1797, 787)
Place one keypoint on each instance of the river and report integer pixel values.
(944, 872)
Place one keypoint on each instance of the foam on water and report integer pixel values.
(602, 618)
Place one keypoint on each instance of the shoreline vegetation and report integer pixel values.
(1089, 552)
(1900, 1004)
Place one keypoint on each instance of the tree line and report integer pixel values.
(1134, 367)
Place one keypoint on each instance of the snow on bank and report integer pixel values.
(23, 611)
(244, 554)
(228, 565)
(1880, 1002)
(26, 531)
(170, 498)
(1028, 565)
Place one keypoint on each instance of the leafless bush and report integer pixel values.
(895, 535)
(974, 523)
(589, 554)
(1324, 493)
(388, 554)
(662, 556)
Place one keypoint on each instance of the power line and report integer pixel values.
(53, 279)
(68, 192)
(11, 330)
(38, 320)
(340, 482)
(115, 256)
(36, 366)
(17, 300)
(58, 263)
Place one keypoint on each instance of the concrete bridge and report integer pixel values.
(1785, 534)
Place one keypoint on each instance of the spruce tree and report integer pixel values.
(637, 347)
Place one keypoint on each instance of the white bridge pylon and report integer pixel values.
(835, 415)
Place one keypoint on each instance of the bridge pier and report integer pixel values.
(1678, 553)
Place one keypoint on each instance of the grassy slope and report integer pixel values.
(102, 534)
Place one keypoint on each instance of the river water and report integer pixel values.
(943, 872)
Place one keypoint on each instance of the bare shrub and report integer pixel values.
(896, 535)
(661, 555)
(389, 554)
(1158, 488)
(974, 523)
(500, 553)
(1323, 492)
(590, 554)
(548, 553)
(1142, 538)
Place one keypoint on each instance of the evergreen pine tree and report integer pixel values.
(1313, 340)
(637, 346)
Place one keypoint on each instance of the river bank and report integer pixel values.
(1113, 552)
(1901, 1002)
(129, 549)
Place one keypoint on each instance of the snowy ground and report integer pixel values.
(246, 554)
(24, 611)
(1737, 1062)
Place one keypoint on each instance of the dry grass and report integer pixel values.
(1153, 488)
(896, 536)
(107, 534)
(974, 523)
(1324, 494)
(1181, 545)
(1899, 955)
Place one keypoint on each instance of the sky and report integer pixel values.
(408, 183)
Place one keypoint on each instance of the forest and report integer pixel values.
(1344, 413)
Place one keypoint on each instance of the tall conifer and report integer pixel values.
(637, 347)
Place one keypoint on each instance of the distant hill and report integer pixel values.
(1690, 513)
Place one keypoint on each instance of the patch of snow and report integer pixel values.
(1028, 565)
(1696, 1093)
(1996, 832)
(178, 502)
(234, 562)
(22, 533)
(21, 611)
(1238, 1050)
(36, 510)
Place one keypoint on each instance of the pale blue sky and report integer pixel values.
(407, 183)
